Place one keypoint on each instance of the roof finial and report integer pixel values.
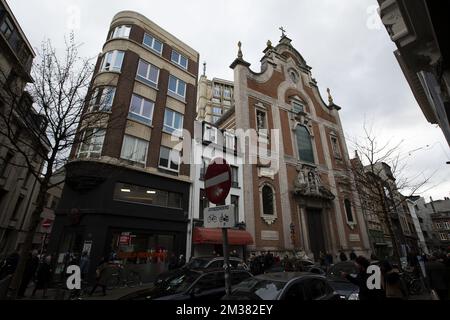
(240, 50)
(269, 44)
(283, 32)
(330, 98)
(204, 68)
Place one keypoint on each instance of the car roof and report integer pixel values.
(212, 258)
(287, 276)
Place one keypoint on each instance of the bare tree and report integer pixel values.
(383, 183)
(52, 122)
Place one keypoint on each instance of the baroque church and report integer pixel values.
(307, 201)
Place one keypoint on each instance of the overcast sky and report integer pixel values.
(341, 40)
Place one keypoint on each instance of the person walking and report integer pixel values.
(43, 277)
(436, 276)
(343, 256)
(30, 271)
(353, 255)
(101, 276)
(392, 283)
(9, 265)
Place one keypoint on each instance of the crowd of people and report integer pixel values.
(37, 270)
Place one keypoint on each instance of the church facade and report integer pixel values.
(299, 192)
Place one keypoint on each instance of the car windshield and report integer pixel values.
(198, 263)
(181, 283)
(348, 268)
(259, 289)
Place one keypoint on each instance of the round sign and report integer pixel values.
(218, 181)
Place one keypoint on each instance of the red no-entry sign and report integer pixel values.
(218, 180)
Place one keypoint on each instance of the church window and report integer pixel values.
(268, 200)
(304, 144)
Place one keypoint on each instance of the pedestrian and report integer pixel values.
(437, 276)
(322, 259)
(9, 265)
(360, 280)
(29, 273)
(173, 262)
(101, 276)
(43, 277)
(84, 265)
(343, 256)
(353, 255)
(392, 283)
(181, 261)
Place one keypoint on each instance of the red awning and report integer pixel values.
(214, 236)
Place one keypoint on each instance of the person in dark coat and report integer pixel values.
(101, 276)
(437, 276)
(181, 261)
(9, 265)
(30, 271)
(43, 277)
(361, 280)
(353, 255)
(173, 262)
(343, 256)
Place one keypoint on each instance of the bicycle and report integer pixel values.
(123, 278)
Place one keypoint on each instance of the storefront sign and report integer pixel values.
(125, 239)
(219, 217)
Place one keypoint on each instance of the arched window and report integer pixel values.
(304, 144)
(268, 200)
(348, 210)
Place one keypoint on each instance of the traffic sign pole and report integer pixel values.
(226, 260)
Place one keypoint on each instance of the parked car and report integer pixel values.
(342, 286)
(290, 286)
(204, 285)
(200, 263)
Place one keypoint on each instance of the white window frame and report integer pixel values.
(114, 55)
(136, 142)
(146, 79)
(217, 91)
(178, 62)
(137, 116)
(151, 46)
(121, 32)
(169, 160)
(210, 131)
(178, 81)
(443, 236)
(230, 137)
(90, 146)
(172, 130)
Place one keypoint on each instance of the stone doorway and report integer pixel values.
(316, 232)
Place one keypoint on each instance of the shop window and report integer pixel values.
(147, 196)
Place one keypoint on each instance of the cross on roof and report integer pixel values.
(283, 32)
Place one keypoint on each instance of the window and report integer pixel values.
(177, 86)
(446, 225)
(227, 93)
(148, 73)
(217, 110)
(268, 200)
(348, 211)
(438, 225)
(17, 208)
(304, 144)
(204, 203)
(230, 141)
(152, 43)
(216, 92)
(9, 156)
(112, 61)
(121, 32)
(173, 122)
(209, 281)
(317, 289)
(147, 195)
(295, 293)
(179, 59)
(297, 107)
(7, 28)
(443, 236)
(134, 149)
(235, 202)
(261, 121)
(335, 147)
(210, 134)
(234, 177)
(102, 99)
(169, 159)
(216, 118)
(92, 143)
(141, 109)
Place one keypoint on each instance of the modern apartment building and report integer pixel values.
(299, 190)
(18, 186)
(127, 193)
(211, 142)
(215, 98)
